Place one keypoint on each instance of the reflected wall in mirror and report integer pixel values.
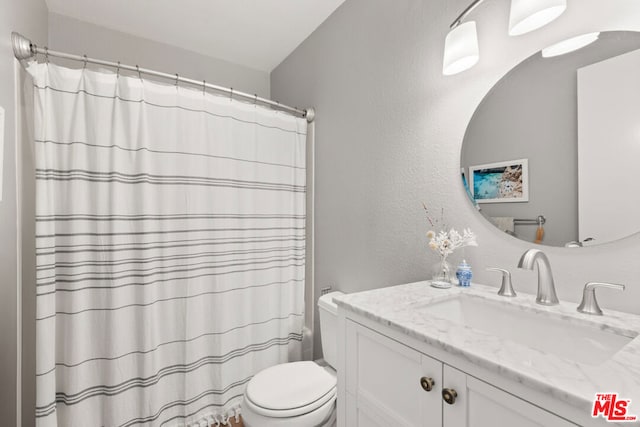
(576, 119)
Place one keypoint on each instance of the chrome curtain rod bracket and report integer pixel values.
(22, 46)
(311, 114)
(24, 49)
(464, 13)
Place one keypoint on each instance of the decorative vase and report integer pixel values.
(442, 271)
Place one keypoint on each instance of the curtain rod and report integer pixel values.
(24, 49)
(464, 13)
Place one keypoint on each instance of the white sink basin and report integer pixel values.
(581, 343)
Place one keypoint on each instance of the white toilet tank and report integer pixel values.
(328, 312)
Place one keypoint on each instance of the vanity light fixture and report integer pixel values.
(570, 45)
(461, 49)
(529, 15)
(461, 45)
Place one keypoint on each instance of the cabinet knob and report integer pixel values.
(427, 383)
(449, 395)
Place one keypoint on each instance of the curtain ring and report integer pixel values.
(84, 66)
(118, 70)
(139, 74)
(255, 100)
(177, 78)
(204, 87)
(231, 95)
(46, 54)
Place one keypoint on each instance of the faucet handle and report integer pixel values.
(506, 290)
(589, 304)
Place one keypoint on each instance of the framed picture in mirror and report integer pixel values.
(501, 182)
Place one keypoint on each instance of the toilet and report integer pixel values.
(297, 394)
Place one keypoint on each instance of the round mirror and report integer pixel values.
(551, 153)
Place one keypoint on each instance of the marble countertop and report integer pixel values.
(564, 379)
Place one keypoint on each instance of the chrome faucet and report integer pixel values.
(546, 286)
(589, 304)
(506, 290)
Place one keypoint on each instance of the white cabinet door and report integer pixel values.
(384, 387)
(479, 404)
(385, 382)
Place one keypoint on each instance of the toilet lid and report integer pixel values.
(291, 386)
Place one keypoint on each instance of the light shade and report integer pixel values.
(569, 45)
(529, 15)
(461, 49)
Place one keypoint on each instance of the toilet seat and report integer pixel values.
(290, 390)
(324, 416)
(290, 413)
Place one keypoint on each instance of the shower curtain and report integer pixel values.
(170, 233)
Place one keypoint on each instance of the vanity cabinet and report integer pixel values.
(391, 384)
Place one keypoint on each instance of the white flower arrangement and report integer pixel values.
(445, 242)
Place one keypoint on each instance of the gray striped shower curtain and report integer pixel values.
(170, 249)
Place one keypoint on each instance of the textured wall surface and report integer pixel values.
(389, 130)
(28, 17)
(74, 36)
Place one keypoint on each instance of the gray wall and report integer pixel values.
(78, 37)
(532, 113)
(389, 131)
(30, 18)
